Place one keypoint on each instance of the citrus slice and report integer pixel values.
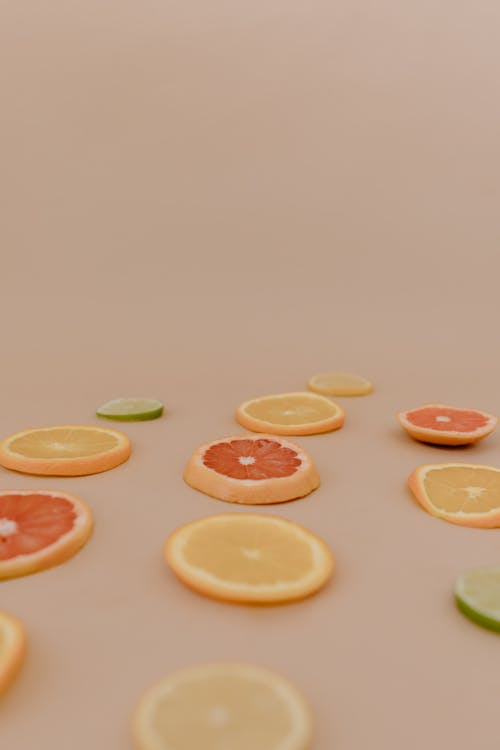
(12, 649)
(465, 494)
(247, 557)
(340, 384)
(66, 450)
(252, 470)
(223, 707)
(477, 593)
(447, 425)
(131, 409)
(300, 413)
(39, 529)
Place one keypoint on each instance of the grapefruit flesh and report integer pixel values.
(252, 459)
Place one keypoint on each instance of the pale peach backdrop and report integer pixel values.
(208, 201)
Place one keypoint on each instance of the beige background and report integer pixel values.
(207, 201)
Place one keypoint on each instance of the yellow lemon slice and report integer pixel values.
(465, 494)
(300, 413)
(215, 706)
(65, 450)
(340, 384)
(249, 558)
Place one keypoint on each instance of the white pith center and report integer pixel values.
(246, 460)
(251, 553)
(443, 419)
(61, 446)
(474, 492)
(219, 716)
(7, 527)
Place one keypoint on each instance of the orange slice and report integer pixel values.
(223, 707)
(340, 384)
(66, 450)
(12, 649)
(252, 470)
(39, 529)
(465, 494)
(247, 557)
(300, 413)
(447, 425)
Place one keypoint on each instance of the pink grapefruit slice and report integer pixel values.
(40, 529)
(447, 425)
(252, 469)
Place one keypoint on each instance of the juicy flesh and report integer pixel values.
(291, 410)
(28, 523)
(456, 489)
(250, 552)
(63, 443)
(222, 712)
(447, 419)
(252, 459)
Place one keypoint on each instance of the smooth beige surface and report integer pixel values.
(207, 202)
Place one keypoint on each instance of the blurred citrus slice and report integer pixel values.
(340, 384)
(12, 649)
(231, 706)
(65, 450)
(247, 557)
(39, 529)
(447, 425)
(131, 409)
(300, 413)
(477, 593)
(465, 494)
(252, 470)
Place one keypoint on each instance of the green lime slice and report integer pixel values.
(477, 593)
(131, 409)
